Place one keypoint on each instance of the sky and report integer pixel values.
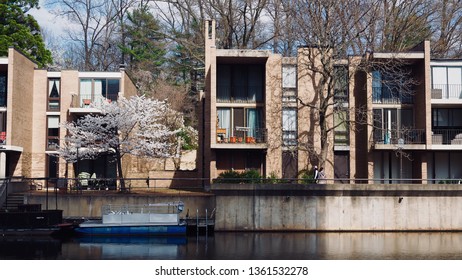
(48, 21)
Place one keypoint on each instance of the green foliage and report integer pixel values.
(306, 177)
(22, 32)
(189, 136)
(233, 177)
(145, 45)
(272, 178)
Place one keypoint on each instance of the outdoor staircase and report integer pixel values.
(14, 200)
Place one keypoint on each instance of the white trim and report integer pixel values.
(54, 74)
(3, 60)
(84, 110)
(95, 75)
(410, 55)
(53, 113)
(9, 148)
(446, 63)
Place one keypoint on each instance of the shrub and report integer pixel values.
(231, 176)
(306, 177)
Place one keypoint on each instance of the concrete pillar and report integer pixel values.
(2, 165)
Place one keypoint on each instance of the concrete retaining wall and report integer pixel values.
(338, 207)
(295, 207)
(88, 204)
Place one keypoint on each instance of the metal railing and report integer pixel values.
(85, 100)
(447, 137)
(242, 135)
(392, 137)
(446, 91)
(384, 95)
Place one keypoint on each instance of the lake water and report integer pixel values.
(256, 246)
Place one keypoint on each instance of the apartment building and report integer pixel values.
(33, 104)
(253, 117)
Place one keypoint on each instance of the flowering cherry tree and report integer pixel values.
(138, 126)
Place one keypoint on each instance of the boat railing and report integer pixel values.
(156, 208)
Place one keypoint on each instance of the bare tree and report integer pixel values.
(447, 29)
(94, 26)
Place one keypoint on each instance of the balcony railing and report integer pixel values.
(242, 135)
(446, 91)
(447, 137)
(384, 95)
(239, 94)
(392, 137)
(84, 100)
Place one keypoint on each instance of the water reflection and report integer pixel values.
(260, 246)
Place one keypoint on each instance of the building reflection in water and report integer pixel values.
(242, 245)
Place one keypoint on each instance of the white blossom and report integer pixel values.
(138, 126)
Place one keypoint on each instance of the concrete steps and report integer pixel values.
(13, 202)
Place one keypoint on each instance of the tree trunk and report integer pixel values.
(119, 170)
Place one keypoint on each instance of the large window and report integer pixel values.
(240, 83)
(3, 89)
(53, 94)
(97, 90)
(448, 80)
(446, 118)
(391, 89)
(391, 125)
(240, 122)
(52, 132)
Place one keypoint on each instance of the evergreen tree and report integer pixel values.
(21, 31)
(145, 43)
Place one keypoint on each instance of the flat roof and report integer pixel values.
(446, 62)
(401, 55)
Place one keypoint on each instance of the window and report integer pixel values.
(341, 131)
(341, 83)
(447, 118)
(3, 89)
(240, 83)
(53, 94)
(289, 126)
(289, 76)
(391, 89)
(392, 124)
(52, 132)
(97, 90)
(448, 80)
(240, 122)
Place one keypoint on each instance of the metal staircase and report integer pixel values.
(12, 203)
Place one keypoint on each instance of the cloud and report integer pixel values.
(48, 21)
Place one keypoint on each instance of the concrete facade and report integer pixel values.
(390, 102)
(26, 148)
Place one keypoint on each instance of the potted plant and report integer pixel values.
(232, 139)
(239, 139)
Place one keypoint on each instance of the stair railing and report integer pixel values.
(3, 191)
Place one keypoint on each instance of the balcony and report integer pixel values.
(446, 91)
(241, 137)
(83, 103)
(447, 137)
(239, 94)
(3, 138)
(386, 95)
(392, 139)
